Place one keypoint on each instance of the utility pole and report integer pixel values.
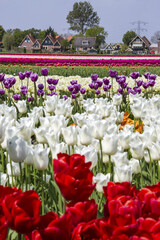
(139, 29)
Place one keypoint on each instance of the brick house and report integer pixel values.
(27, 42)
(52, 44)
(139, 45)
(37, 45)
(84, 43)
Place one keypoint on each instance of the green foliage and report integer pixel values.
(128, 36)
(65, 44)
(8, 41)
(18, 36)
(33, 31)
(99, 33)
(42, 35)
(82, 17)
(2, 31)
(50, 31)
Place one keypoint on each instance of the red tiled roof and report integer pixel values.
(69, 38)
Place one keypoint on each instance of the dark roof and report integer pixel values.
(30, 37)
(50, 37)
(147, 42)
(78, 41)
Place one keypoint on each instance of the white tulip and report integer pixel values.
(98, 129)
(57, 148)
(3, 178)
(117, 100)
(52, 137)
(90, 155)
(110, 144)
(124, 139)
(135, 166)
(30, 159)
(40, 134)
(137, 148)
(41, 158)
(120, 159)
(17, 149)
(70, 135)
(85, 135)
(154, 152)
(123, 174)
(101, 181)
(15, 169)
(22, 106)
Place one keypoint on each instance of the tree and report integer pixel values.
(99, 33)
(128, 36)
(18, 36)
(82, 17)
(50, 31)
(155, 37)
(42, 35)
(65, 44)
(2, 31)
(7, 40)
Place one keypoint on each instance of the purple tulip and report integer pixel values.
(105, 81)
(109, 86)
(12, 80)
(70, 88)
(17, 97)
(23, 87)
(134, 75)
(124, 85)
(145, 85)
(44, 71)
(50, 80)
(77, 87)
(130, 91)
(74, 96)
(91, 85)
(40, 86)
(21, 75)
(97, 92)
(138, 90)
(27, 74)
(139, 83)
(2, 77)
(40, 92)
(34, 77)
(152, 77)
(73, 82)
(105, 88)
(120, 90)
(151, 83)
(112, 73)
(24, 91)
(51, 87)
(94, 77)
(96, 86)
(30, 99)
(55, 81)
(2, 91)
(100, 83)
(82, 90)
(146, 75)
(53, 93)
(65, 97)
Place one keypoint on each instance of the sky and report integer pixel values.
(116, 16)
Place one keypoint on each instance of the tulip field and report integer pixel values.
(79, 155)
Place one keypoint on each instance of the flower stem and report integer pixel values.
(2, 159)
(42, 185)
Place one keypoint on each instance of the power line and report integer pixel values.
(139, 29)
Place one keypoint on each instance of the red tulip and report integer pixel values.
(82, 211)
(73, 177)
(54, 229)
(22, 211)
(3, 227)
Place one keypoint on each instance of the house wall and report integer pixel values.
(27, 45)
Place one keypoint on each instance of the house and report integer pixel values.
(70, 40)
(37, 45)
(117, 48)
(139, 45)
(84, 43)
(108, 49)
(27, 42)
(52, 44)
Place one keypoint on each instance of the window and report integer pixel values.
(85, 42)
(27, 40)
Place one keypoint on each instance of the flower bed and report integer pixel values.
(65, 145)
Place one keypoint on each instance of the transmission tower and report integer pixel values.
(139, 29)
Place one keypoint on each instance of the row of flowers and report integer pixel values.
(25, 85)
(80, 62)
(129, 213)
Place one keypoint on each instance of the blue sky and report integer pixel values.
(116, 15)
